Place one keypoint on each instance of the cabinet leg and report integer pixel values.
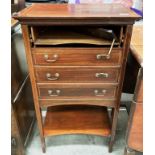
(128, 151)
(40, 126)
(113, 130)
(111, 145)
(112, 113)
(43, 145)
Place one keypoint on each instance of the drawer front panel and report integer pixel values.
(77, 91)
(76, 74)
(76, 56)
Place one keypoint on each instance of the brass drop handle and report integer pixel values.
(102, 75)
(106, 56)
(54, 93)
(55, 58)
(52, 78)
(100, 93)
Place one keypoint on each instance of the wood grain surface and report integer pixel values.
(76, 101)
(76, 56)
(135, 140)
(79, 14)
(76, 74)
(75, 11)
(77, 91)
(137, 43)
(135, 124)
(77, 120)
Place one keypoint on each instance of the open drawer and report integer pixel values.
(60, 35)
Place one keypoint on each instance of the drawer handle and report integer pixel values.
(102, 75)
(106, 56)
(100, 93)
(55, 58)
(55, 77)
(54, 93)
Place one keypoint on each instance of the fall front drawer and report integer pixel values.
(70, 91)
(76, 74)
(77, 56)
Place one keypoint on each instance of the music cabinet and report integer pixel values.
(76, 56)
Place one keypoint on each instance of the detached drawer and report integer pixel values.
(76, 56)
(76, 74)
(71, 91)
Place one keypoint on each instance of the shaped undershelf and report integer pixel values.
(77, 120)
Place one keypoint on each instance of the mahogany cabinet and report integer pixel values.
(76, 56)
(134, 137)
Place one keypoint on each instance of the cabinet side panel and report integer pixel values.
(26, 38)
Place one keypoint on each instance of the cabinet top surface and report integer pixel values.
(77, 11)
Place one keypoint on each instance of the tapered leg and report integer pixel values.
(43, 145)
(112, 113)
(40, 126)
(114, 125)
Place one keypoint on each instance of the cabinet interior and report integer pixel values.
(72, 36)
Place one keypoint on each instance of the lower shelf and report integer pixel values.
(77, 120)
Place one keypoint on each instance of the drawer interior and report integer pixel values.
(73, 36)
